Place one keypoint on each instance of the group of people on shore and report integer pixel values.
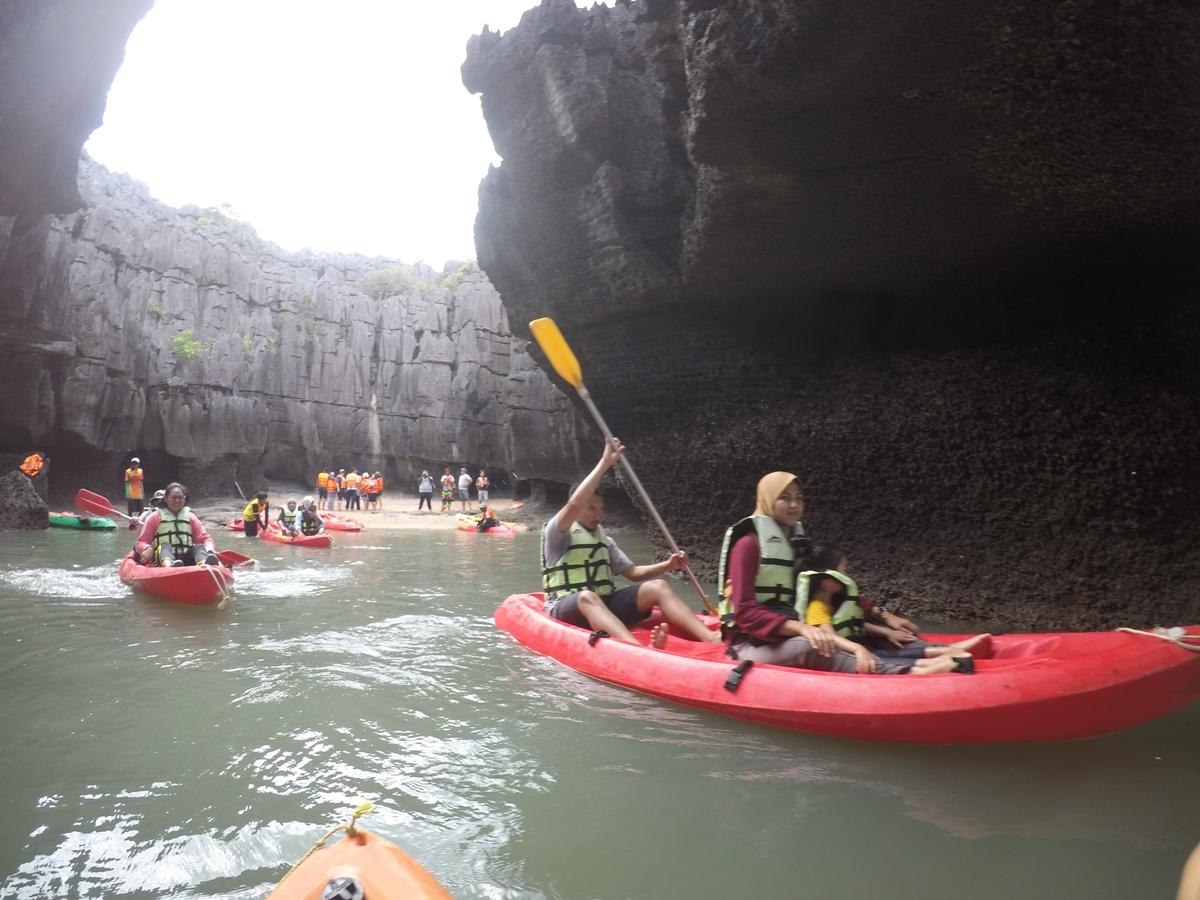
(786, 599)
(453, 488)
(349, 490)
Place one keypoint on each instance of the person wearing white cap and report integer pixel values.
(155, 502)
(135, 496)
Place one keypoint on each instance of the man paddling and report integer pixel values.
(579, 560)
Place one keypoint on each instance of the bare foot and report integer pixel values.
(936, 665)
(971, 643)
(658, 636)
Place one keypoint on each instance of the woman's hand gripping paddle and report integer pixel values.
(555, 346)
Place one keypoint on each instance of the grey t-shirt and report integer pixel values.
(425, 486)
(555, 544)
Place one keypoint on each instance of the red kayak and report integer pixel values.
(300, 540)
(1026, 687)
(180, 584)
(236, 525)
(340, 523)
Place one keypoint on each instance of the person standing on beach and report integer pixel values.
(483, 487)
(425, 490)
(135, 495)
(447, 489)
(322, 487)
(464, 487)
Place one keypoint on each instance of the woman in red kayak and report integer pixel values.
(173, 536)
(759, 611)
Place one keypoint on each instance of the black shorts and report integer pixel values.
(251, 526)
(622, 604)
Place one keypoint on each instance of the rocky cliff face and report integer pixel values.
(57, 59)
(178, 334)
(938, 261)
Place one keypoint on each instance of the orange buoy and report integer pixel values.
(373, 868)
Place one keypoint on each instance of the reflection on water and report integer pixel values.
(158, 750)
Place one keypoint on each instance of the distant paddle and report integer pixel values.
(98, 505)
(555, 346)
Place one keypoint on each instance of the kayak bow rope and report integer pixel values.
(555, 346)
(361, 810)
(1176, 636)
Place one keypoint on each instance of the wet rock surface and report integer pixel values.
(20, 505)
(57, 59)
(938, 261)
(179, 336)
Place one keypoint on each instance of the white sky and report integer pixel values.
(334, 126)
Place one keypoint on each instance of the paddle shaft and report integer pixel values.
(586, 397)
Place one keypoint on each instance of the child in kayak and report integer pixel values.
(173, 536)
(759, 611)
(828, 598)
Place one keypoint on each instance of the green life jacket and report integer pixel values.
(585, 565)
(174, 530)
(289, 518)
(775, 580)
(310, 522)
(848, 617)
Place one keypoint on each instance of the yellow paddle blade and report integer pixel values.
(555, 346)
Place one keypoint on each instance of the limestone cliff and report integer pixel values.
(938, 259)
(57, 59)
(134, 327)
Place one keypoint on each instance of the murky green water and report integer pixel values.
(151, 750)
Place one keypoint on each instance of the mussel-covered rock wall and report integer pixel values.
(938, 260)
(130, 326)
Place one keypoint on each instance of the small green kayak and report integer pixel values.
(70, 520)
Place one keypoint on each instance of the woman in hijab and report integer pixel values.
(758, 612)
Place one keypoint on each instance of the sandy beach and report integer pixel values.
(399, 512)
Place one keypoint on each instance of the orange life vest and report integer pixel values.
(322, 480)
(379, 484)
(133, 484)
(32, 464)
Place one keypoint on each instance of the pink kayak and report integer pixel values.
(179, 584)
(335, 522)
(1026, 687)
(300, 540)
